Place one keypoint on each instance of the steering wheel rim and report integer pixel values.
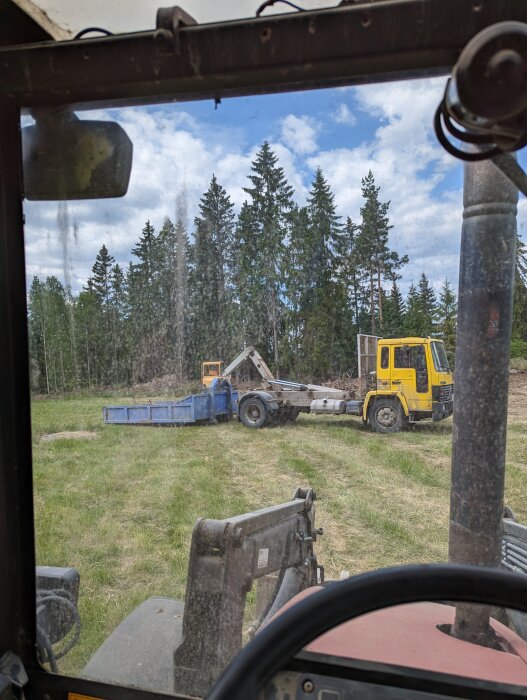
(278, 642)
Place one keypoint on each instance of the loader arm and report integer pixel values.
(257, 360)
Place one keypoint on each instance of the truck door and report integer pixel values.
(410, 376)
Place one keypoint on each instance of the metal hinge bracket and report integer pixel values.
(169, 21)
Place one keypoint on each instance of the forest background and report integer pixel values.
(298, 282)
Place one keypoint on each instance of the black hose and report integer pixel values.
(65, 602)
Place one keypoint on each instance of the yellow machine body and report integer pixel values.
(210, 371)
(414, 371)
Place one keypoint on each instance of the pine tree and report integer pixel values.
(372, 245)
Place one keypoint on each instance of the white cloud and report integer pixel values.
(408, 165)
(299, 133)
(174, 153)
(344, 115)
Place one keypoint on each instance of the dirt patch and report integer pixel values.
(518, 393)
(69, 435)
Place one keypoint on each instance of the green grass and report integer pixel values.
(120, 506)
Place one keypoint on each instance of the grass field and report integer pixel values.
(120, 504)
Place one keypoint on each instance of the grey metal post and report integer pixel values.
(488, 254)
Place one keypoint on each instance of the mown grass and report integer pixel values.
(120, 506)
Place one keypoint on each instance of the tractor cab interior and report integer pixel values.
(245, 611)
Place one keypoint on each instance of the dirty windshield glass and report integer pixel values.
(297, 243)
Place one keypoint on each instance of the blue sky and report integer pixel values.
(386, 128)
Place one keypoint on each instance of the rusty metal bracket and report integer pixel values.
(169, 20)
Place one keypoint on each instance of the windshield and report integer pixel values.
(439, 356)
(267, 233)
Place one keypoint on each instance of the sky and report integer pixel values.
(385, 128)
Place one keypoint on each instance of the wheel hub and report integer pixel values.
(387, 416)
(253, 413)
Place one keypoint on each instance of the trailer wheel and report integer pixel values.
(253, 413)
(386, 416)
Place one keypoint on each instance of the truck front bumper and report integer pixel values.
(442, 409)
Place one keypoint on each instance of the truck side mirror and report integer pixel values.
(68, 158)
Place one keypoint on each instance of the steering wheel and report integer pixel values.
(281, 639)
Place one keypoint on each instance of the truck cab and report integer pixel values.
(411, 381)
(210, 371)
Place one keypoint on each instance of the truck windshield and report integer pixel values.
(439, 357)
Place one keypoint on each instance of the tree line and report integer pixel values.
(298, 282)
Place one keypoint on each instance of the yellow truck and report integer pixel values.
(210, 371)
(402, 380)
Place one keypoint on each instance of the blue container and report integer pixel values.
(220, 402)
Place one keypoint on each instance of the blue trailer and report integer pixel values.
(219, 403)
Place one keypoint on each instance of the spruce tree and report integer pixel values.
(297, 287)
(211, 277)
(519, 314)
(87, 330)
(143, 280)
(412, 317)
(271, 206)
(101, 276)
(324, 346)
(100, 285)
(394, 312)
(351, 273)
(165, 289)
(180, 302)
(249, 281)
(38, 339)
(428, 305)
(372, 244)
(447, 318)
(119, 316)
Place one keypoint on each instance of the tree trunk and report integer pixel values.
(275, 336)
(372, 302)
(379, 288)
(45, 353)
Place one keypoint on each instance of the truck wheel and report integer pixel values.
(386, 416)
(253, 413)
